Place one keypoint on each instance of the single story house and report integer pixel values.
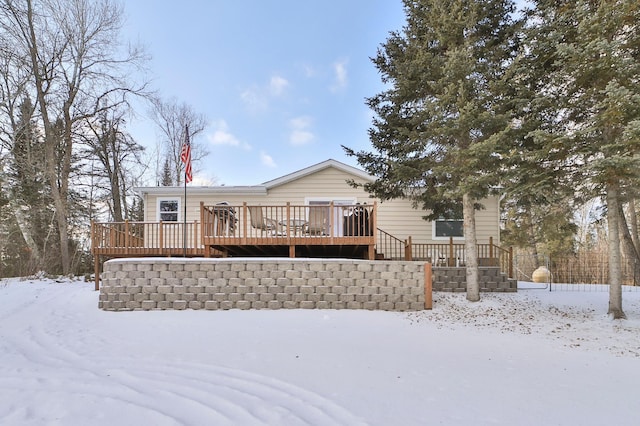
(317, 196)
(313, 212)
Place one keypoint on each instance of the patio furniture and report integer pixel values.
(295, 226)
(317, 224)
(357, 222)
(224, 219)
(259, 221)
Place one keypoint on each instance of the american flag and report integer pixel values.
(185, 156)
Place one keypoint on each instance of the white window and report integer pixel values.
(169, 209)
(446, 228)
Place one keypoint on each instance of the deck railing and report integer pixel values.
(450, 254)
(226, 224)
(281, 225)
(122, 238)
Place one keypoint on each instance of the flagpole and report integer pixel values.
(185, 157)
(184, 229)
(186, 143)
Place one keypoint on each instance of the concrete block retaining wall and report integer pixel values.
(455, 280)
(199, 283)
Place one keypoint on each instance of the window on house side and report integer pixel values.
(168, 210)
(448, 228)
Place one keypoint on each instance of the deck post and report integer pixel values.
(428, 286)
(452, 259)
(332, 226)
(243, 240)
(374, 217)
(202, 222)
(372, 252)
(161, 237)
(510, 262)
(408, 249)
(195, 234)
(112, 236)
(292, 251)
(491, 249)
(289, 227)
(126, 236)
(96, 271)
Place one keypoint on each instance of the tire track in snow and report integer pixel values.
(171, 392)
(193, 392)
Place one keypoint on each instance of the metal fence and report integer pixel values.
(588, 272)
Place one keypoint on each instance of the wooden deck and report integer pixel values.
(290, 230)
(327, 231)
(133, 239)
(243, 230)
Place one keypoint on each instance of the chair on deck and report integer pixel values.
(442, 259)
(259, 221)
(224, 219)
(317, 224)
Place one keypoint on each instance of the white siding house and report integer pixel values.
(320, 183)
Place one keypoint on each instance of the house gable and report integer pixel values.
(349, 170)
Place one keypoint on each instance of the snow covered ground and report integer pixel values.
(531, 358)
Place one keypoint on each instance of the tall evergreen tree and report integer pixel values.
(439, 125)
(29, 200)
(590, 52)
(167, 176)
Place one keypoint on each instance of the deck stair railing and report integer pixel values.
(390, 247)
(452, 255)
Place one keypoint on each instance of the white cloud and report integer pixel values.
(308, 70)
(300, 133)
(300, 122)
(277, 85)
(222, 136)
(267, 160)
(300, 137)
(254, 100)
(340, 73)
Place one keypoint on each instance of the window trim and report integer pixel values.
(163, 199)
(445, 238)
(328, 200)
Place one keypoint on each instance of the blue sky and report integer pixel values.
(282, 82)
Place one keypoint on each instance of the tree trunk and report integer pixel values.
(61, 204)
(635, 237)
(470, 241)
(615, 279)
(633, 224)
(629, 251)
(26, 231)
(50, 143)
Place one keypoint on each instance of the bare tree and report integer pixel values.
(76, 70)
(119, 159)
(171, 118)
